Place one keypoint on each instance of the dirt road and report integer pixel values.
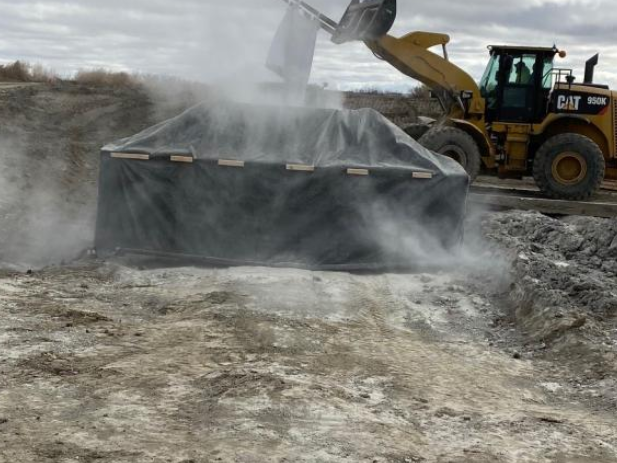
(109, 364)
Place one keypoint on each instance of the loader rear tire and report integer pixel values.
(569, 166)
(456, 144)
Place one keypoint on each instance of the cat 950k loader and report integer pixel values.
(525, 117)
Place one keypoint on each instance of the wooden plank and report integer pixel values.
(136, 157)
(300, 168)
(358, 172)
(546, 206)
(185, 159)
(230, 163)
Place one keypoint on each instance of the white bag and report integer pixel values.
(292, 52)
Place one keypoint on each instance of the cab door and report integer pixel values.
(519, 85)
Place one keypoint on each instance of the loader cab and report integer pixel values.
(517, 84)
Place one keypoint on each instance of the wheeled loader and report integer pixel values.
(525, 117)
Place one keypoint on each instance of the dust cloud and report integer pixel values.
(50, 139)
(48, 202)
(39, 224)
(236, 46)
(50, 144)
(424, 246)
(233, 65)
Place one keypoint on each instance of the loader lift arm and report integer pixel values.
(457, 91)
(370, 21)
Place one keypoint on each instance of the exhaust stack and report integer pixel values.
(590, 68)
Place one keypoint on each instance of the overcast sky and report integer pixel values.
(228, 40)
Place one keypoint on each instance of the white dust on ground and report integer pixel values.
(250, 364)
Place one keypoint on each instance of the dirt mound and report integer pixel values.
(574, 260)
(564, 286)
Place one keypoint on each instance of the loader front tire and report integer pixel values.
(417, 131)
(569, 166)
(456, 144)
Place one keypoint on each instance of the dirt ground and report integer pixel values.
(508, 354)
(101, 362)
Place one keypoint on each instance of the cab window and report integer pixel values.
(522, 70)
(547, 69)
(488, 84)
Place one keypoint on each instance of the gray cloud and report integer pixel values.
(227, 41)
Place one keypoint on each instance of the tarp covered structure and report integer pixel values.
(238, 184)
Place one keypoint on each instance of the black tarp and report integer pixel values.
(411, 203)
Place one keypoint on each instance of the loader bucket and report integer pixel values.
(365, 21)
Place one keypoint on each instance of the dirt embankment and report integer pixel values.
(50, 136)
(401, 110)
